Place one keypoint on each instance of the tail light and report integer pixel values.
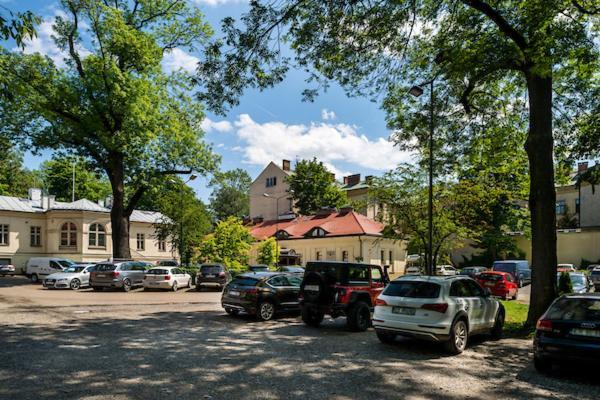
(221, 274)
(251, 291)
(116, 273)
(380, 302)
(544, 325)
(437, 307)
(167, 277)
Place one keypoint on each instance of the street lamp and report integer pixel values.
(417, 91)
(181, 232)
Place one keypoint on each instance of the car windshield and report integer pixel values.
(210, 269)
(414, 289)
(158, 271)
(105, 267)
(505, 267)
(575, 309)
(489, 277)
(74, 269)
(293, 269)
(66, 263)
(575, 279)
(244, 281)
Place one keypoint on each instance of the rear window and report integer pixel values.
(490, 277)
(505, 267)
(596, 273)
(346, 274)
(156, 271)
(105, 267)
(417, 290)
(210, 269)
(575, 309)
(244, 282)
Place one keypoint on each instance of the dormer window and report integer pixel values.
(281, 234)
(272, 181)
(317, 232)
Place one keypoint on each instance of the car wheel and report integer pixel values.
(75, 284)
(386, 337)
(312, 318)
(232, 311)
(515, 295)
(520, 282)
(189, 285)
(174, 287)
(359, 317)
(266, 311)
(126, 285)
(496, 331)
(35, 278)
(459, 334)
(542, 365)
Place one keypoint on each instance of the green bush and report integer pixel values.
(564, 283)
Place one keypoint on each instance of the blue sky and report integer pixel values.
(348, 134)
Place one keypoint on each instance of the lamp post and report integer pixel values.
(417, 91)
(276, 216)
(181, 231)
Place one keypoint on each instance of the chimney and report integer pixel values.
(108, 202)
(354, 179)
(582, 167)
(35, 194)
(345, 180)
(101, 203)
(369, 179)
(286, 165)
(51, 200)
(44, 202)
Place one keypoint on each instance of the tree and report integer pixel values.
(268, 252)
(230, 196)
(112, 104)
(57, 175)
(15, 180)
(545, 49)
(17, 26)
(229, 244)
(312, 187)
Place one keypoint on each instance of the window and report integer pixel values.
(417, 290)
(272, 181)
(382, 257)
(282, 235)
(35, 237)
(376, 275)
(344, 255)
(140, 241)
(577, 205)
(317, 232)
(561, 207)
(391, 258)
(318, 256)
(278, 281)
(3, 235)
(358, 275)
(55, 265)
(68, 235)
(162, 245)
(97, 236)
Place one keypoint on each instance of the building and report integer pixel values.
(333, 236)
(578, 204)
(81, 231)
(270, 198)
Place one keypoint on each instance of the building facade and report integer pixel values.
(80, 231)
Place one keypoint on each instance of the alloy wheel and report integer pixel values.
(266, 311)
(75, 284)
(460, 335)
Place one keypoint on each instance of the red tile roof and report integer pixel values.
(334, 224)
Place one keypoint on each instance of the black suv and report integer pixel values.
(341, 289)
(212, 275)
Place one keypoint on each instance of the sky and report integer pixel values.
(348, 134)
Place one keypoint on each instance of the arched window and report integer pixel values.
(282, 235)
(317, 232)
(97, 236)
(68, 235)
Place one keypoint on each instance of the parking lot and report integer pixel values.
(146, 345)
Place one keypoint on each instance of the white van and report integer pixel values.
(40, 267)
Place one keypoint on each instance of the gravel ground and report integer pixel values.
(86, 345)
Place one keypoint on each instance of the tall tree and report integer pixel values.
(112, 103)
(230, 195)
(546, 48)
(312, 187)
(17, 26)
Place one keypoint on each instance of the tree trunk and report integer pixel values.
(118, 217)
(542, 195)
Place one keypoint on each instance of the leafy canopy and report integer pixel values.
(229, 244)
(268, 252)
(230, 195)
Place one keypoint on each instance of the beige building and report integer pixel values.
(42, 227)
(270, 199)
(333, 236)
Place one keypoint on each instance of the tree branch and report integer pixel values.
(71, 39)
(582, 9)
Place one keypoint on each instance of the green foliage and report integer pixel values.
(230, 196)
(586, 263)
(229, 244)
(268, 252)
(312, 187)
(15, 180)
(17, 26)
(564, 283)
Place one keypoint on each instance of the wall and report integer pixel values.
(590, 203)
(267, 206)
(571, 247)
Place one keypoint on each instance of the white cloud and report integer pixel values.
(178, 59)
(209, 125)
(215, 3)
(327, 115)
(330, 143)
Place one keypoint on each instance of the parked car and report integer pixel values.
(39, 267)
(519, 269)
(123, 275)
(445, 270)
(595, 277)
(292, 269)
(500, 284)
(566, 268)
(412, 270)
(592, 267)
(258, 268)
(472, 271)
(440, 309)
(580, 282)
(212, 275)
(7, 269)
(569, 331)
(170, 278)
(262, 294)
(74, 277)
(167, 263)
(341, 289)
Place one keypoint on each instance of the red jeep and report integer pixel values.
(341, 289)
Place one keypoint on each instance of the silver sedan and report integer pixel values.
(74, 277)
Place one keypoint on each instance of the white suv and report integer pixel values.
(445, 309)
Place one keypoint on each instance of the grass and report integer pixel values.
(516, 315)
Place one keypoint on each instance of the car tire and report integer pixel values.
(75, 284)
(232, 311)
(265, 311)
(459, 335)
(386, 337)
(126, 285)
(189, 285)
(359, 317)
(174, 287)
(312, 318)
(520, 282)
(35, 278)
(516, 295)
(542, 365)
(498, 327)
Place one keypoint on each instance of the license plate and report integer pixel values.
(403, 310)
(234, 293)
(312, 288)
(586, 332)
(100, 276)
(209, 276)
